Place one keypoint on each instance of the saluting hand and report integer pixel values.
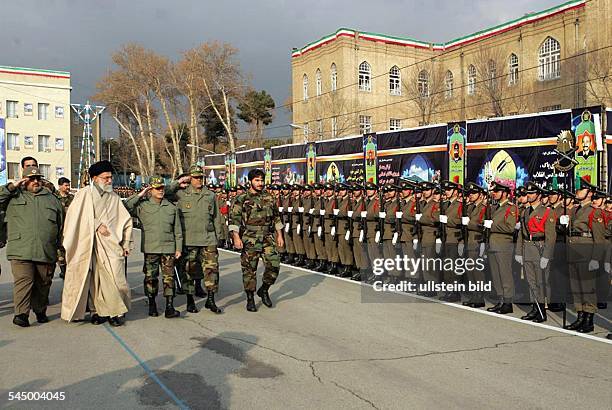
(144, 192)
(21, 182)
(177, 254)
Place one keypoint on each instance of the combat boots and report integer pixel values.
(334, 269)
(346, 272)
(21, 320)
(587, 323)
(262, 292)
(533, 313)
(495, 308)
(577, 324)
(153, 307)
(251, 301)
(540, 314)
(170, 311)
(210, 303)
(290, 259)
(310, 264)
(505, 308)
(299, 262)
(191, 306)
(41, 317)
(199, 291)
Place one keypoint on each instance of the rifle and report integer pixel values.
(310, 219)
(486, 235)
(363, 219)
(381, 221)
(441, 226)
(464, 213)
(335, 212)
(322, 218)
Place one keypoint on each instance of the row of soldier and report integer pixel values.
(544, 247)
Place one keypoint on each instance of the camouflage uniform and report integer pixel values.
(256, 218)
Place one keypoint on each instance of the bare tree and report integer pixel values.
(599, 77)
(492, 79)
(424, 87)
(337, 113)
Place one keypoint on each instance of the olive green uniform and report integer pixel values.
(331, 244)
(297, 225)
(360, 252)
(345, 252)
(309, 232)
(430, 211)
(287, 219)
(319, 241)
(389, 250)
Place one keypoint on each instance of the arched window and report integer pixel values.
(448, 84)
(305, 87)
(395, 81)
(365, 77)
(513, 69)
(549, 66)
(423, 83)
(471, 88)
(319, 84)
(492, 73)
(334, 77)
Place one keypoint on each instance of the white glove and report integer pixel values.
(290, 209)
(460, 249)
(322, 212)
(349, 214)
(281, 209)
(395, 236)
(465, 220)
(319, 230)
(298, 229)
(543, 263)
(382, 215)
(301, 209)
(399, 214)
(517, 227)
(361, 233)
(287, 227)
(418, 216)
(443, 219)
(593, 265)
(415, 244)
(309, 230)
(364, 214)
(608, 267)
(488, 223)
(311, 211)
(481, 250)
(377, 237)
(333, 231)
(336, 212)
(518, 258)
(228, 202)
(347, 236)
(564, 220)
(438, 245)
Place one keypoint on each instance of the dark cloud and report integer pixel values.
(79, 36)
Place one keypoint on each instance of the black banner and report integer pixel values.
(289, 164)
(246, 161)
(609, 147)
(340, 161)
(214, 168)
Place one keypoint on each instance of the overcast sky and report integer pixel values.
(80, 35)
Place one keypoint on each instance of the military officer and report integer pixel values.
(65, 198)
(454, 240)
(343, 231)
(390, 235)
(474, 222)
(373, 206)
(257, 231)
(319, 228)
(308, 232)
(330, 231)
(559, 284)
(161, 241)
(201, 222)
(286, 217)
(297, 216)
(410, 232)
(34, 221)
(360, 252)
(431, 243)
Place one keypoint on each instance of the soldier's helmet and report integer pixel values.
(196, 171)
(156, 182)
(31, 171)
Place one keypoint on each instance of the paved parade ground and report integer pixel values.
(319, 347)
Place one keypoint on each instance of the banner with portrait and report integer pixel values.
(515, 150)
(457, 138)
(288, 165)
(370, 149)
(246, 161)
(340, 160)
(586, 127)
(609, 147)
(214, 169)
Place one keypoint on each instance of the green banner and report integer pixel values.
(457, 137)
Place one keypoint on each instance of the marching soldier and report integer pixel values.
(474, 222)
(319, 228)
(343, 231)
(360, 252)
(161, 241)
(201, 223)
(535, 248)
(390, 237)
(452, 221)
(431, 243)
(409, 236)
(65, 198)
(558, 270)
(296, 211)
(371, 223)
(34, 221)
(285, 204)
(308, 230)
(602, 281)
(330, 231)
(257, 230)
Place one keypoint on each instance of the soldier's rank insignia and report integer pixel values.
(188, 205)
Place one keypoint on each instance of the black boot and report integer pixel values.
(283, 257)
(300, 261)
(334, 269)
(577, 324)
(452, 297)
(153, 307)
(210, 303)
(495, 308)
(323, 266)
(290, 259)
(251, 301)
(356, 275)
(533, 313)
(116, 321)
(191, 306)
(309, 264)
(21, 320)
(41, 317)
(170, 310)
(587, 323)
(262, 292)
(505, 308)
(346, 272)
(199, 291)
(541, 317)
(97, 319)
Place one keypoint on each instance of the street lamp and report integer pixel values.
(299, 127)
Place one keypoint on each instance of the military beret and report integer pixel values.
(99, 168)
(157, 182)
(31, 172)
(498, 186)
(196, 171)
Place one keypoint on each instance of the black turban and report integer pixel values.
(100, 167)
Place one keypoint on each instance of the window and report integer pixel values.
(513, 69)
(76, 142)
(45, 170)
(334, 77)
(471, 88)
(334, 127)
(395, 124)
(28, 109)
(59, 144)
(59, 111)
(423, 83)
(59, 172)
(551, 108)
(395, 81)
(12, 141)
(549, 67)
(43, 143)
(319, 84)
(28, 141)
(448, 84)
(11, 109)
(13, 170)
(43, 111)
(365, 77)
(492, 73)
(365, 124)
(320, 128)
(305, 87)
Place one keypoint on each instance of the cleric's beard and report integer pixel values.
(106, 188)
